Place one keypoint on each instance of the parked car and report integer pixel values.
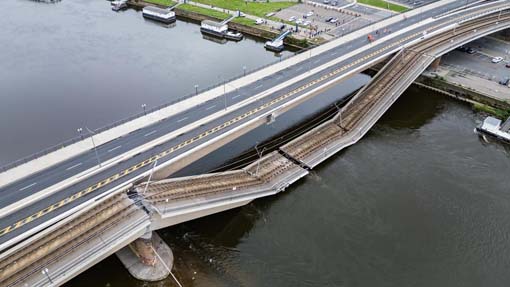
(504, 81)
(329, 19)
(282, 27)
(507, 65)
(299, 21)
(462, 49)
(270, 14)
(334, 20)
(307, 23)
(326, 1)
(240, 14)
(471, 50)
(309, 14)
(334, 3)
(496, 60)
(259, 21)
(292, 19)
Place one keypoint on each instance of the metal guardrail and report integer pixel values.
(138, 115)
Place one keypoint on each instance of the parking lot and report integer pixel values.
(330, 21)
(480, 63)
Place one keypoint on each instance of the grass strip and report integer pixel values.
(204, 11)
(384, 4)
(259, 9)
(161, 2)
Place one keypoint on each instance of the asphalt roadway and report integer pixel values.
(16, 224)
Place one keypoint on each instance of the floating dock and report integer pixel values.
(220, 29)
(158, 14)
(217, 29)
(276, 44)
(493, 127)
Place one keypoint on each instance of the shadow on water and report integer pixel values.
(283, 123)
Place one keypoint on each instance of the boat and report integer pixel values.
(213, 28)
(118, 5)
(494, 127)
(158, 14)
(276, 46)
(233, 35)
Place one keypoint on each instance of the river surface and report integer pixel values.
(419, 201)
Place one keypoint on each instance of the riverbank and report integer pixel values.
(479, 100)
(243, 25)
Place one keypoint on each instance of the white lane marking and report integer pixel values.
(183, 119)
(148, 134)
(334, 53)
(258, 87)
(76, 165)
(299, 69)
(117, 147)
(237, 96)
(211, 107)
(316, 61)
(28, 186)
(279, 78)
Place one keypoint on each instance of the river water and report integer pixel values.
(420, 201)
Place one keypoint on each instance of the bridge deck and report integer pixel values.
(81, 242)
(120, 218)
(272, 173)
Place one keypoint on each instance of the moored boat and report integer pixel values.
(233, 35)
(158, 14)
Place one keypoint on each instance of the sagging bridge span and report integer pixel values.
(95, 216)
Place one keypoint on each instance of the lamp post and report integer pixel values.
(45, 272)
(196, 89)
(260, 153)
(144, 111)
(244, 70)
(150, 176)
(79, 130)
(94, 145)
(225, 93)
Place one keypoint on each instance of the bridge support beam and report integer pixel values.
(435, 65)
(148, 258)
(505, 34)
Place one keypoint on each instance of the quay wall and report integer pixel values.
(249, 30)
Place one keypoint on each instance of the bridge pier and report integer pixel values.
(148, 258)
(435, 65)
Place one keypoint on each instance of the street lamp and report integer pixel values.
(45, 272)
(224, 91)
(79, 130)
(143, 107)
(260, 153)
(244, 70)
(150, 176)
(196, 89)
(94, 145)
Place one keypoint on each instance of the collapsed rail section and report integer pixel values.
(181, 199)
(357, 117)
(58, 256)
